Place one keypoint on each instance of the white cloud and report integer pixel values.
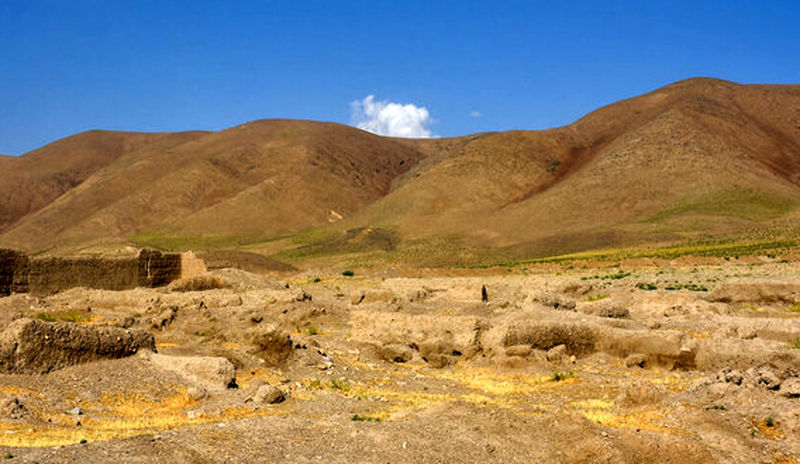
(475, 114)
(392, 119)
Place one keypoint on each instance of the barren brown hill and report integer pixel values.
(700, 158)
(255, 180)
(34, 180)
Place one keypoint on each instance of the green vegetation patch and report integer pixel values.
(162, 240)
(615, 276)
(61, 316)
(739, 203)
(690, 286)
(360, 418)
(559, 376)
(709, 249)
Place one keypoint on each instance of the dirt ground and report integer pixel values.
(648, 362)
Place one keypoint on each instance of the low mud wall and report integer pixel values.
(156, 269)
(51, 275)
(47, 275)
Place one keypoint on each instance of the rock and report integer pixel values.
(557, 353)
(197, 392)
(255, 384)
(768, 380)
(129, 322)
(267, 394)
(791, 388)
(729, 375)
(208, 372)
(635, 360)
(614, 311)
(76, 411)
(523, 351)
(12, 408)
(394, 352)
(165, 318)
(604, 308)
(29, 346)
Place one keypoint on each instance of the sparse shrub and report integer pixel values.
(559, 376)
(597, 297)
(716, 407)
(315, 384)
(646, 286)
(348, 273)
(63, 316)
(360, 418)
(695, 287)
(317, 280)
(618, 275)
(45, 316)
(311, 330)
(690, 286)
(769, 421)
(341, 385)
(796, 344)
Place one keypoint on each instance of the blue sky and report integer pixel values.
(70, 66)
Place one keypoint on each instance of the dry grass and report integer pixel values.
(125, 415)
(199, 284)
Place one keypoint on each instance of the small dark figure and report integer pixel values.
(484, 294)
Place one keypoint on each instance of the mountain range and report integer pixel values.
(700, 159)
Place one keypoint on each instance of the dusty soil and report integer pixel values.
(648, 363)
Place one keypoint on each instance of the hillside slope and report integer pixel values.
(34, 180)
(696, 159)
(698, 156)
(259, 179)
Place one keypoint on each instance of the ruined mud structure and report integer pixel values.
(48, 275)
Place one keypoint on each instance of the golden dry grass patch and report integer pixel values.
(602, 412)
(162, 345)
(126, 415)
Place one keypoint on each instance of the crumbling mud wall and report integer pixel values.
(28, 346)
(191, 265)
(51, 275)
(14, 268)
(156, 269)
(47, 275)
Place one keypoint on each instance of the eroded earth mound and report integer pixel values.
(591, 365)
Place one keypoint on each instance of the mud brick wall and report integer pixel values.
(48, 275)
(13, 272)
(52, 275)
(156, 269)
